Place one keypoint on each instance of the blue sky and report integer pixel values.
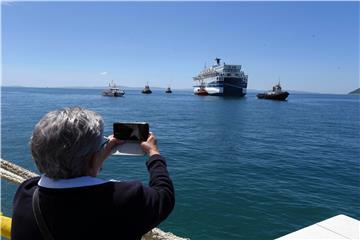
(311, 46)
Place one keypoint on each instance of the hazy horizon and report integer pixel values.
(157, 88)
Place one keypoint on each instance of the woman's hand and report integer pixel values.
(103, 153)
(150, 146)
(111, 143)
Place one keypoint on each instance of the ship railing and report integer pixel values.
(206, 75)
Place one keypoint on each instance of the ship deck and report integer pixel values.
(338, 227)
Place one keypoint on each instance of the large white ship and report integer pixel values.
(221, 80)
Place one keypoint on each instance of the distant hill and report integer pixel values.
(356, 91)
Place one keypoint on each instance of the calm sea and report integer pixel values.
(242, 168)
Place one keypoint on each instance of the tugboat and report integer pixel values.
(201, 91)
(146, 89)
(168, 90)
(113, 91)
(275, 94)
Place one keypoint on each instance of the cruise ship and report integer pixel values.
(221, 80)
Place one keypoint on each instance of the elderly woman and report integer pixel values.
(68, 201)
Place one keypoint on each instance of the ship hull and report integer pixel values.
(113, 94)
(227, 87)
(277, 96)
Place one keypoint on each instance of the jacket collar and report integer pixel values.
(69, 183)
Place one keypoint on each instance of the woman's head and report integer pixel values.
(64, 141)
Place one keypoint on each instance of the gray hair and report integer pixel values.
(63, 142)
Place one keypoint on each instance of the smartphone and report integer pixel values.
(133, 133)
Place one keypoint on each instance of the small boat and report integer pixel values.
(276, 94)
(113, 91)
(168, 90)
(146, 89)
(201, 91)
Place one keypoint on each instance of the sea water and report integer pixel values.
(243, 168)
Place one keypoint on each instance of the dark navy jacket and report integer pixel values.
(110, 210)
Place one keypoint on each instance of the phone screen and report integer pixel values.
(131, 131)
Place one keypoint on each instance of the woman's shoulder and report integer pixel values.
(26, 188)
(29, 184)
(128, 189)
(124, 185)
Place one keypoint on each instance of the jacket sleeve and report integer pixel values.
(158, 197)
